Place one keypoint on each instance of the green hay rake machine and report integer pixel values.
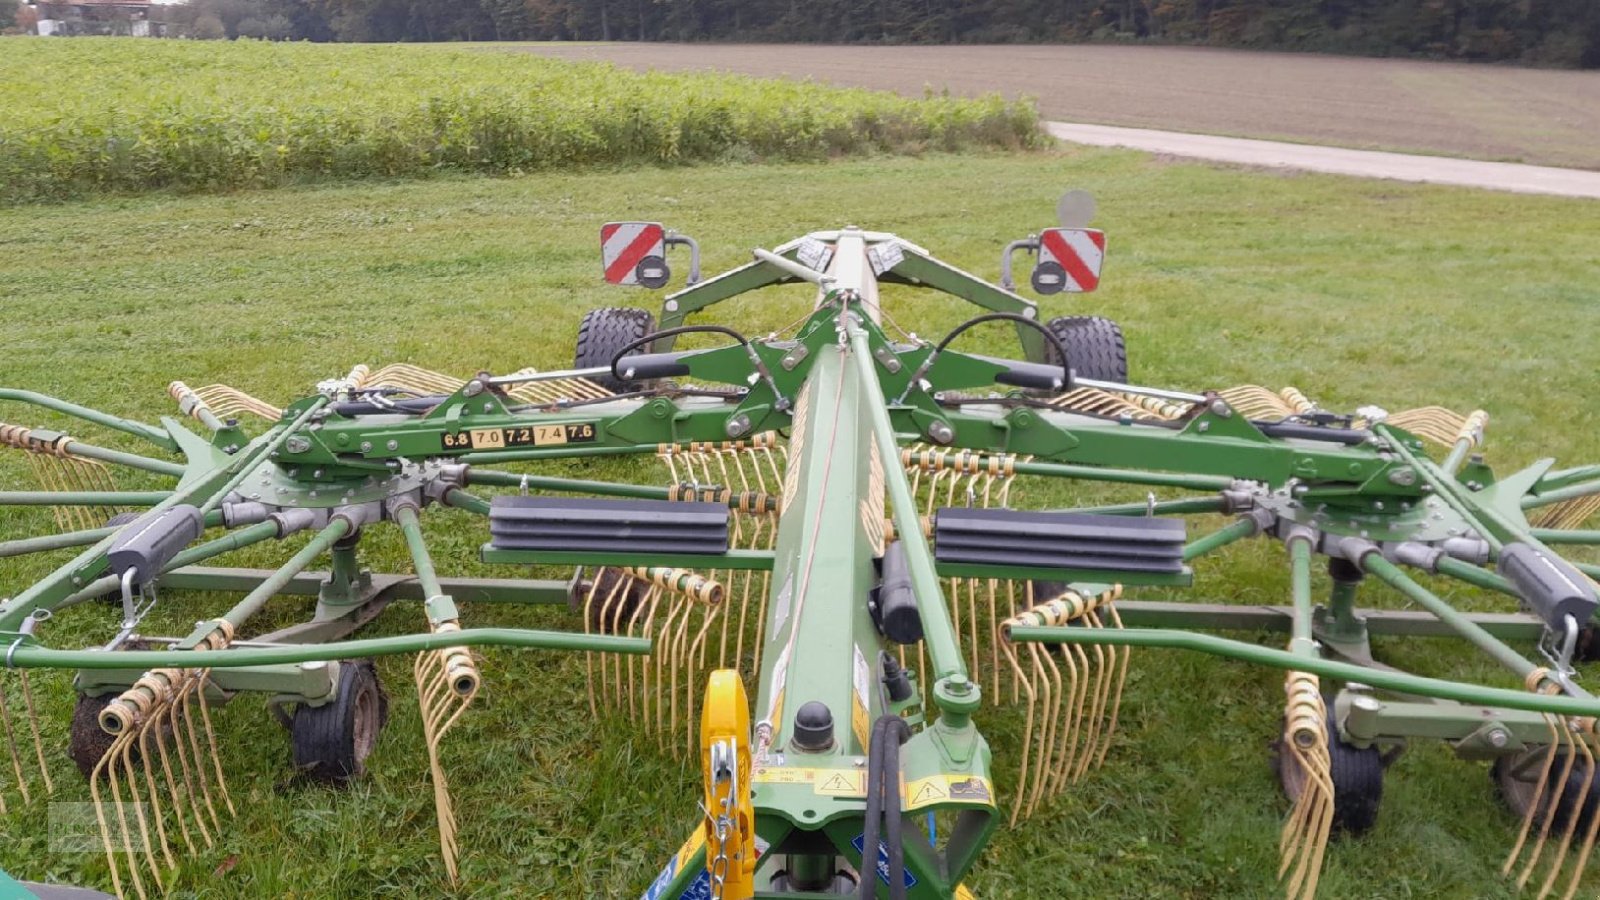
(835, 524)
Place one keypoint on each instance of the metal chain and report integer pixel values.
(724, 769)
(719, 865)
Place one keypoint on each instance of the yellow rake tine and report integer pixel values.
(1091, 737)
(1550, 815)
(1116, 693)
(126, 760)
(679, 647)
(588, 656)
(1538, 793)
(697, 665)
(211, 739)
(1027, 730)
(1590, 834)
(746, 579)
(11, 744)
(100, 768)
(663, 662)
(1048, 704)
(615, 602)
(32, 726)
(1572, 819)
(994, 640)
(972, 626)
(647, 685)
(173, 714)
(172, 788)
(1075, 728)
(1304, 838)
(201, 775)
(725, 577)
(155, 802)
(953, 598)
(633, 621)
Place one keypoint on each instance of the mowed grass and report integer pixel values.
(1357, 292)
(128, 115)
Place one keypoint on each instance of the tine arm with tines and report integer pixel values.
(1569, 828)
(128, 771)
(146, 751)
(1551, 806)
(640, 614)
(105, 770)
(1122, 678)
(1304, 838)
(228, 402)
(1585, 729)
(1305, 832)
(1023, 681)
(1532, 813)
(11, 744)
(447, 679)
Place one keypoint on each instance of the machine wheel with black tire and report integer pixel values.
(603, 334)
(332, 741)
(617, 597)
(87, 742)
(1516, 779)
(1094, 346)
(1357, 775)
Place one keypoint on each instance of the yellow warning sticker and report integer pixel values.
(858, 700)
(828, 782)
(841, 782)
(948, 789)
(962, 893)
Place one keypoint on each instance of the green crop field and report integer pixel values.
(1357, 292)
(84, 117)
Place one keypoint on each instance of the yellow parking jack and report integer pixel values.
(730, 817)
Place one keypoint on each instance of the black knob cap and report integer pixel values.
(813, 727)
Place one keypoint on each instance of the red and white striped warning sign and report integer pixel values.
(1079, 252)
(623, 245)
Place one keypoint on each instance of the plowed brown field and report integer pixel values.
(1484, 112)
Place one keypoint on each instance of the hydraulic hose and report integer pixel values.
(883, 806)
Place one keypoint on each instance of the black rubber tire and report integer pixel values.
(1094, 347)
(1045, 591)
(1357, 781)
(332, 741)
(603, 334)
(621, 610)
(87, 742)
(1588, 646)
(1518, 794)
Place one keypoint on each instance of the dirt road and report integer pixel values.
(1522, 179)
(1480, 112)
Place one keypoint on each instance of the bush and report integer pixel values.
(141, 115)
(207, 27)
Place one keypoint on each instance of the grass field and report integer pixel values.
(1357, 292)
(1454, 109)
(141, 115)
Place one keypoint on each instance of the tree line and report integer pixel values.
(1540, 32)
